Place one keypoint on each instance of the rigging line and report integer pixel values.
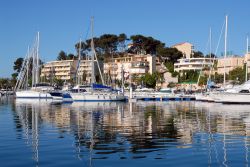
(218, 44)
(87, 34)
(84, 39)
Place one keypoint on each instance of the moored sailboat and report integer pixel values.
(37, 90)
(239, 94)
(97, 92)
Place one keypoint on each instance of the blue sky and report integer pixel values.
(62, 22)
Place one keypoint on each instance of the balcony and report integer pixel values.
(138, 70)
(139, 65)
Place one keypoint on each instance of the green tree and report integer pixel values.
(189, 76)
(71, 57)
(237, 75)
(169, 54)
(203, 80)
(170, 67)
(148, 45)
(217, 78)
(85, 47)
(105, 45)
(58, 82)
(212, 55)
(197, 54)
(5, 83)
(18, 64)
(62, 56)
(108, 43)
(149, 80)
(122, 38)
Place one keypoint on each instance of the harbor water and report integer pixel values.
(171, 133)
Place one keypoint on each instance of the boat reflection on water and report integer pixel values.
(28, 112)
(36, 102)
(131, 131)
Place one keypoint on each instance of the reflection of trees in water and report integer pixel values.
(106, 128)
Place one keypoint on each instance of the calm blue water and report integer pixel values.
(41, 133)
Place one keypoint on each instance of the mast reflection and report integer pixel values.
(101, 129)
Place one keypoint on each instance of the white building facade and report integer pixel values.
(195, 64)
(131, 64)
(63, 69)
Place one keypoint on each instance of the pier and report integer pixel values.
(152, 98)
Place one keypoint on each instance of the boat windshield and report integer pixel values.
(165, 91)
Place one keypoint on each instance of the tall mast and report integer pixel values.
(33, 68)
(246, 59)
(94, 56)
(79, 61)
(122, 79)
(37, 59)
(112, 71)
(247, 45)
(27, 68)
(210, 54)
(210, 42)
(93, 53)
(225, 54)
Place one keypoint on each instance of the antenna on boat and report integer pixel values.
(225, 54)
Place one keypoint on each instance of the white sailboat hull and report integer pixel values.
(235, 98)
(201, 97)
(97, 97)
(33, 94)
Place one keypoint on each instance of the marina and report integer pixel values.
(180, 133)
(128, 84)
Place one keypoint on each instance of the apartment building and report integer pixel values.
(84, 71)
(186, 48)
(67, 70)
(132, 64)
(231, 62)
(247, 61)
(64, 69)
(195, 64)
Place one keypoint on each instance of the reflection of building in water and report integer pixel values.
(133, 125)
(148, 117)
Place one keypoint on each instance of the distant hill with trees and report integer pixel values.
(112, 45)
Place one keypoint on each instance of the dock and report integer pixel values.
(152, 98)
